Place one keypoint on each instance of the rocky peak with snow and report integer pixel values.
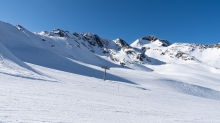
(153, 38)
(56, 32)
(150, 40)
(94, 39)
(20, 27)
(117, 51)
(121, 43)
(166, 52)
(92, 48)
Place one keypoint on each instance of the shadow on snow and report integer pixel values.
(55, 61)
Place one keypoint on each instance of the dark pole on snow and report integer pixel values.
(106, 68)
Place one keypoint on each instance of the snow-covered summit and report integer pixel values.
(40, 71)
(150, 41)
(121, 43)
(164, 51)
(117, 51)
(94, 49)
(84, 47)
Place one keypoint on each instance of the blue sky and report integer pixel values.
(191, 21)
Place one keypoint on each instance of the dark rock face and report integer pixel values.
(122, 43)
(150, 38)
(143, 48)
(179, 54)
(60, 32)
(93, 39)
(98, 41)
(76, 34)
(46, 32)
(141, 57)
(213, 46)
(105, 52)
(153, 38)
(20, 27)
(122, 64)
(165, 43)
(130, 52)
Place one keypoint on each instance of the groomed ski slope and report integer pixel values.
(63, 83)
(72, 98)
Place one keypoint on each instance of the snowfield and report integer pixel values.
(72, 98)
(53, 79)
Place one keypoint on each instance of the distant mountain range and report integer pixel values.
(54, 49)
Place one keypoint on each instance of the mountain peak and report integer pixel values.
(151, 41)
(121, 42)
(150, 38)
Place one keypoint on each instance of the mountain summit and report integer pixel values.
(94, 49)
(57, 76)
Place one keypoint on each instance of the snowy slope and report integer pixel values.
(8, 60)
(56, 76)
(11, 65)
(53, 52)
(77, 98)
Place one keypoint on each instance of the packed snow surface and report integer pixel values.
(78, 98)
(56, 77)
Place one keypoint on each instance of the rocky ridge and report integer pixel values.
(144, 50)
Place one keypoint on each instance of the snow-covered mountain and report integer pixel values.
(179, 52)
(146, 50)
(56, 76)
(117, 51)
(93, 49)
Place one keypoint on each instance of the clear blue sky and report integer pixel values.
(192, 21)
